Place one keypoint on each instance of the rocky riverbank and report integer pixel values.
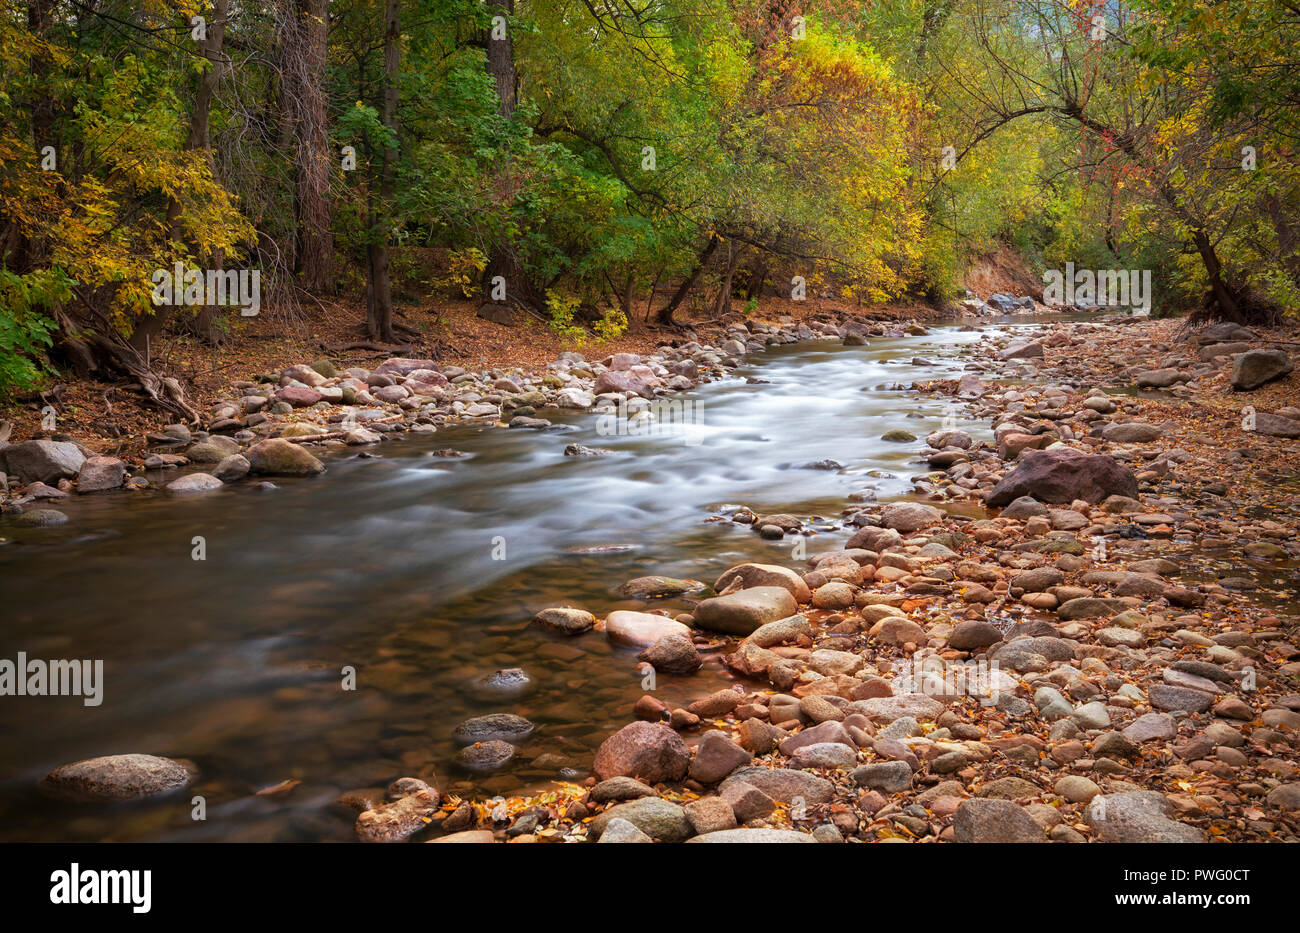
(1074, 667)
(269, 427)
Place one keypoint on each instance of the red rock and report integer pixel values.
(651, 752)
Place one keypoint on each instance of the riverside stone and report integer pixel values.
(652, 752)
(742, 612)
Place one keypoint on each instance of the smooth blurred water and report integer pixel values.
(389, 565)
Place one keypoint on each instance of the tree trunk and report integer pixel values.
(665, 315)
(306, 48)
(504, 265)
(379, 317)
(723, 304)
(756, 280)
(1228, 307)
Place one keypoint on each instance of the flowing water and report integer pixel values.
(420, 571)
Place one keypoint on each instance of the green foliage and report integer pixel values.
(25, 333)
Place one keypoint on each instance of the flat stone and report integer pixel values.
(1141, 816)
(989, 820)
(118, 777)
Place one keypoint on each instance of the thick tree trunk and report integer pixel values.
(665, 315)
(306, 48)
(1226, 302)
(379, 318)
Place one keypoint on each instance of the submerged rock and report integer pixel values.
(119, 777)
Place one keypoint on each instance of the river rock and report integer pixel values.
(756, 575)
(649, 751)
(620, 830)
(1024, 507)
(973, 635)
(1275, 425)
(673, 654)
(754, 836)
(716, 757)
(1090, 607)
(658, 587)
(992, 820)
(1022, 351)
(909, 516)
(42, 461)
(506, 727)
(891, 777)
(783, 785)
(1159, 378)
(41, 518)
(1179, 699)
(232, 468)
(194, 483)
(887, 709)
(276, 457)
(1139, 816)
(98, 474)
(1254, 368)
(641, 628)
(1132, 432)
(485, 757)
(118, 777)
(1063, 475)
(654, 816)
(565, 620)
(780, 632)
(409, 812)
(620, 788)
(742, 612)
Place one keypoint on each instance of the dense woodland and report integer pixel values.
(585, 161)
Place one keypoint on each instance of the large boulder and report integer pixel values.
(42, 461)
(1254, 368)
(277, 457)
(744, 611)
(1063, 475)
(649, 751)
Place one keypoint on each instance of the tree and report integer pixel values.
(379, 295)
(305, 50)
